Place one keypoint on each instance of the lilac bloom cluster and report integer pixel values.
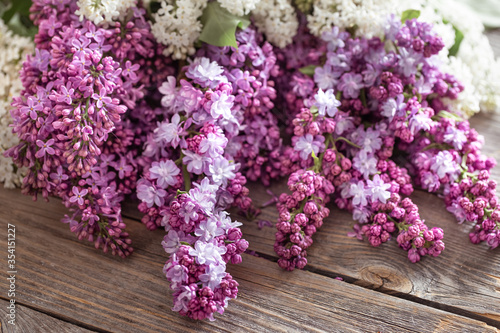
(365, 96)
(251, 69)
(449, 160)
(301, 214)
(78, 135)
(190, 180)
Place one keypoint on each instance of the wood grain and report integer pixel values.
(72, 281)
(30, 321)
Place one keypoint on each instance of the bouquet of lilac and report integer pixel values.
(105, 112)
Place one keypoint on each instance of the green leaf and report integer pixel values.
(409, 14)
(308, 70)
(459, 36)
(449, 115)
(219, 26)
(21, 7)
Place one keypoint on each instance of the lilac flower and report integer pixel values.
(359, 193)
(222, 103)
(195, 163)
(308, 144)
(326, 102)
(430, 181)
(392, 107)
(32, 108)
(205, 72)
(409, 61)
(102, 99)
(325, 77)
(225, 221)
(361, 214)
(333, 38)
(242, 79)
(443, 164)
(149, 194)
(420, 122)
(78, 195)
(208, 229)
(213, 144)
(208, 253)
(350, 84)
(169, 90)
(203, 198)
(130, 70)
(220, 170)
(176, 273)
(458, 211)
(392, 26)
(213, 276)
(165, 173)
(59, 176)
(168, 133)
(66, 95)
(369, 140)
(172, 240)
(358, 233)
(455, 137)
(364, 163)
(45, 147)
(122, 167)
(182, 299)
(379, 190)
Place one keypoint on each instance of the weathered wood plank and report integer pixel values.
(58, 274)
(494, 37)
(30, 321)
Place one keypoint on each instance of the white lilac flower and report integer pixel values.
(326, 102)
(165, 173)
(168, 132)
(455, 137)
(443, 164)
(213, 144)
(306, 145)
(213, 276)
(103, 11)
(359, 193)
(365, 163)
(177, 26)
(207, 253)
(379, 190)
(277, 20)
(149, 194)
(220, 170)
(206, 186)
(13, 50)
(367, 16)
(239, 7)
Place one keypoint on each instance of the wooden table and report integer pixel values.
(64, 285)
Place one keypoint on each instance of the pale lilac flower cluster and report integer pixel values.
(78, 133)
(188, 183)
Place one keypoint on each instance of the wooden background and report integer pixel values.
(64, 285)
